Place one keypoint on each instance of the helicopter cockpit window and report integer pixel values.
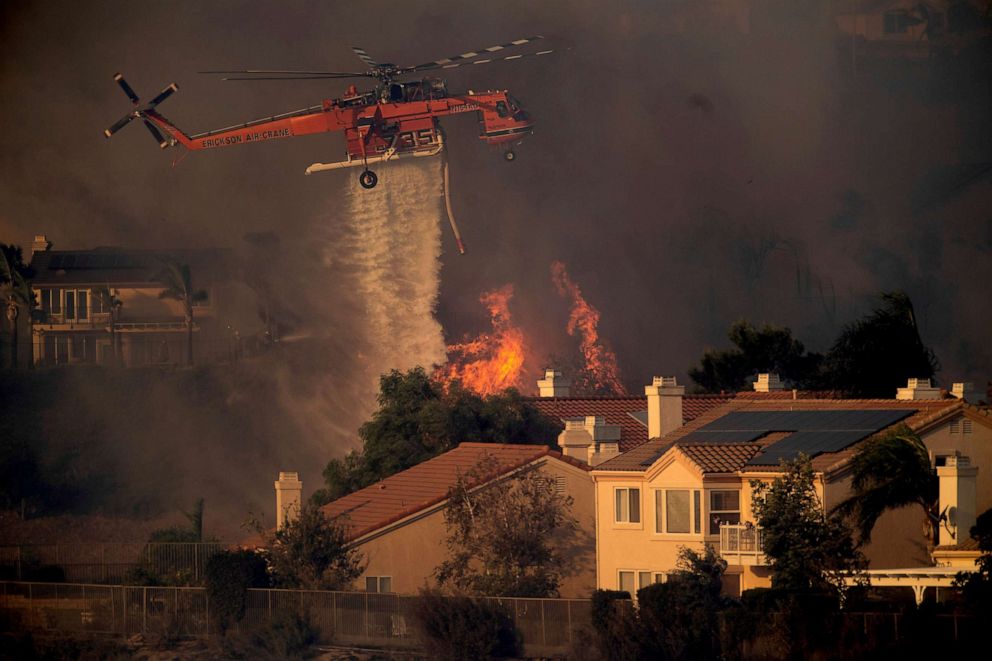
(519, 113)
(396, 93)
(502, 110)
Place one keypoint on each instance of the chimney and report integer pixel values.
(41, 244)
(554, 384)
(917, 389)
(965, 391)
(289, 490)
(664, 405)
(590, 440)
(768, 383)
(957, 498)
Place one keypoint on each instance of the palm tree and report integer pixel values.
(113, 304)
(889, 472)
(179, 286)
(17, 292)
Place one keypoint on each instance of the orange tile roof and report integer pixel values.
(427, 484)
(927, 412)
(723, 458)
(618, 410)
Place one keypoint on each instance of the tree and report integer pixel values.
(503, 535)
(678, 619)
(312, 552)
(889, 471)
(806, 547)
(16, 286)
(977, 586)
(110, 302)
(418, 419)
(179, 286)
(766, 349)
(878, 353)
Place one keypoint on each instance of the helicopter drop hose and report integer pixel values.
(451, 216)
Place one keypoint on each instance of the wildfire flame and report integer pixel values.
(492, 361)
(601, 362)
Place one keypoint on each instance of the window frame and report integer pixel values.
(694, 514)
(629, 500)
(711, 512)
(379, 584)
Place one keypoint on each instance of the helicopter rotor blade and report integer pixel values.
(163, 95)
(119, 79)
(270, 72)
(364, 56)
(469, 55)
(118, 125)
(162, 142)
(507, 58)
(293, 77)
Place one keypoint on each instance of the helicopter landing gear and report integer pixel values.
(509, 155)
(368, 179)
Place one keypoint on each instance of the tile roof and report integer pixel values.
(427, 484)
(723, 458)
(120, 266)
(926, 412)
(970, 544)
(620, 411)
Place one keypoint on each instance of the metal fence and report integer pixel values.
(108, 563)
(546, 626)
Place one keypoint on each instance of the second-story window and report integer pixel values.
(677, 511)
(725, 507)
(628, 505)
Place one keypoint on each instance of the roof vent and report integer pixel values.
(917, 390)
(768, 382)
(40, 244)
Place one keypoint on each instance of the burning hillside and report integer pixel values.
(600, 362)
(493, 361)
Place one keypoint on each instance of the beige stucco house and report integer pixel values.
(398, 523)
(692, 486)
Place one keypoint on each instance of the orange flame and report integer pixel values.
(601, 362)
(494, 361)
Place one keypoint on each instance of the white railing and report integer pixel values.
(742, 544)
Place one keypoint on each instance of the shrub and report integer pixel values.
(616, 625)
(461, 628)
(229, 574)
(290, 635)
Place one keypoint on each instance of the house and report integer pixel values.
(692, 486)
(72, 324)
(398, 522)
(909, 29)
(622, 423)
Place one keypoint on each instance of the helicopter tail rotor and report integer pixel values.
(140, 112)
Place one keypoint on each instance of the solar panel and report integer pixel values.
(833, 420)
(810, 443)
(731, 436)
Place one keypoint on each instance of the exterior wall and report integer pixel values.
(410, 550)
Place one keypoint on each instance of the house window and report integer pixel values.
(725, 507)
(82, 304)
(676, 510)
(628, 505)
(378, 583)
(633, 580)
(70, 304)
(626, 582)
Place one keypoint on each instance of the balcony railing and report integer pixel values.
(742, 544)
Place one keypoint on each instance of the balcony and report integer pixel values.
(742, 544)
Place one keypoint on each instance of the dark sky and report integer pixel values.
(694, 162)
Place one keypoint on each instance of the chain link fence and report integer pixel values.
(547, 626)
(177, 562)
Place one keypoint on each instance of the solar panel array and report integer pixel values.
(814, 432)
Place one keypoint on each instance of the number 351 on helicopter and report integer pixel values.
(397, 119)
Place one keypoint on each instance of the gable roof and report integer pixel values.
(630, 413)
(426, 484)
(718, 456)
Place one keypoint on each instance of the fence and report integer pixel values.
(546, 626)
(108, 563)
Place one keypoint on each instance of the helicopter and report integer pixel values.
(396, 119)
